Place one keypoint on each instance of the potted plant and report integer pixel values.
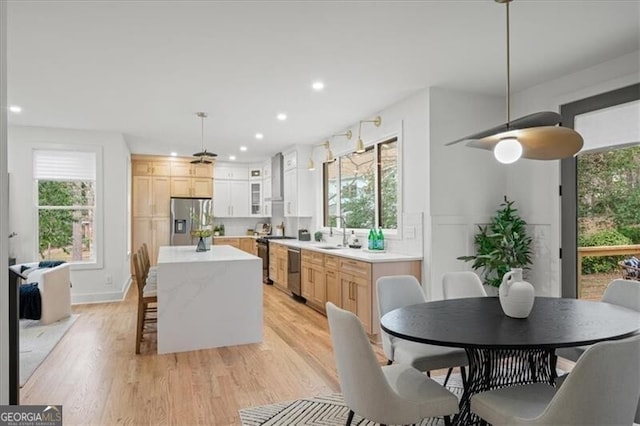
(501, 245)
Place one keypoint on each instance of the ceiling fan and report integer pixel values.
(204, 156)
(535, 136)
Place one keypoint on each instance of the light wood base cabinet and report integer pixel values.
(278, 266)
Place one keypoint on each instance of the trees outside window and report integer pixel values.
(366, 186)
(66, 204)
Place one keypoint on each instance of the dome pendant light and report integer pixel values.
(534, 136)
(203, 156)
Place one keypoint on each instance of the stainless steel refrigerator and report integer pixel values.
(187, 214)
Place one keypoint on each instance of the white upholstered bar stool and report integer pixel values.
(395, 292)
(393, 394)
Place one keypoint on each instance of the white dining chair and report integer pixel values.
(625, 293)
(397, 291)
(457, 285)
(602, 389)
(393, 394)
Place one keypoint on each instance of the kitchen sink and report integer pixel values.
(330, 247)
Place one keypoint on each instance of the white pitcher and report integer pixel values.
(516, 295)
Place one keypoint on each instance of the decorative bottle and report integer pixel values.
(371, 242)
(516, 295)
(380, 240)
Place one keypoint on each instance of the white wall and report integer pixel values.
(4, 210)
(89, 285)
(535, 183)
(467, 184)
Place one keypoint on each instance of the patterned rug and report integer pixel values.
(325, 410)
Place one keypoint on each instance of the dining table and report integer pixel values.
(504, 351)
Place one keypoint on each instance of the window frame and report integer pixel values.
(98, 225)
(393, 233)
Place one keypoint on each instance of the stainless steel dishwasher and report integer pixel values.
(293, 271)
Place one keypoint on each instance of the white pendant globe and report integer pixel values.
(508, 150)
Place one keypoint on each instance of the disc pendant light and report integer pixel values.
(203, 156)
(535, 136)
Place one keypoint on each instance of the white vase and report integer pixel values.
(516, 295)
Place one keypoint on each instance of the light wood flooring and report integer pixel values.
(95, 375)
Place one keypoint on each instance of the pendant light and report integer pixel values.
(534, 136)
(203, 156)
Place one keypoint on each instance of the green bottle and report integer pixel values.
(380, 240)
(372, 239)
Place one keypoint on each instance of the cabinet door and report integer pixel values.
(290, 193)
(201, 170)
(180, 187)
(161, 237)
(255, 198)
(161, 198)
(248, 245)
(142, 232)
(319, 286)
(239, 191)
(356, 298)
(221, 200)
(141, 168)
(179, 169)
(306, 281)
(201, 187)
(266, 196)
(334, 295)
(290, 161)
(161, 168)
(141, 204)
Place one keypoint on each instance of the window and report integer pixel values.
(363, 187)
(66, 204)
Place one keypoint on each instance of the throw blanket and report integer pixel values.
(30, 303)
(635, 263)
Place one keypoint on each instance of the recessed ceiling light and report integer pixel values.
(259, 136)
(174, 154)
(232, 157)
(15, 109)
(282, 116)
(243, 148)
(318, 86)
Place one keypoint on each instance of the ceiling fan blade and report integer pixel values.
(538, 143)
(205, 153)
(538, 119)
(201, 160)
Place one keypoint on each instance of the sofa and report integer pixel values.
(54, 285)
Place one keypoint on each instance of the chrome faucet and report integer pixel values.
(345, 239)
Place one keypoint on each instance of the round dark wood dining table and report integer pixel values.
(504, 351)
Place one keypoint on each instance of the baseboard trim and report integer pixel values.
(106, 297)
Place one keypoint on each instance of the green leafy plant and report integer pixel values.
(501, 245)
(607, 237)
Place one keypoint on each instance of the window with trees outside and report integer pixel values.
(363, 188)
(66, 204)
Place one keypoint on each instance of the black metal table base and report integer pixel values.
(497, 368)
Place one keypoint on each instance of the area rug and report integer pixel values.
(328, 410)
(37, 341)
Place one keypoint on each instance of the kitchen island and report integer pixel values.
(208, 299)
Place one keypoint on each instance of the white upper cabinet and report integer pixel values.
(231, 198)
(298, 190)
(230, 172)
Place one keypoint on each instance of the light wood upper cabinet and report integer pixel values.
(187, 169)
(191, 187)
(151, 196)
(151, 168)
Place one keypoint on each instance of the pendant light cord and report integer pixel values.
(508, 69)
(202, 132)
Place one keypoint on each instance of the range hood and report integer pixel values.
(277, 178)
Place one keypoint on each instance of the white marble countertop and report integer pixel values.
(182, 254)
(236, 236)
(355, 254)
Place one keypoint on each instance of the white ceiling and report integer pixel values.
(143, 68)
